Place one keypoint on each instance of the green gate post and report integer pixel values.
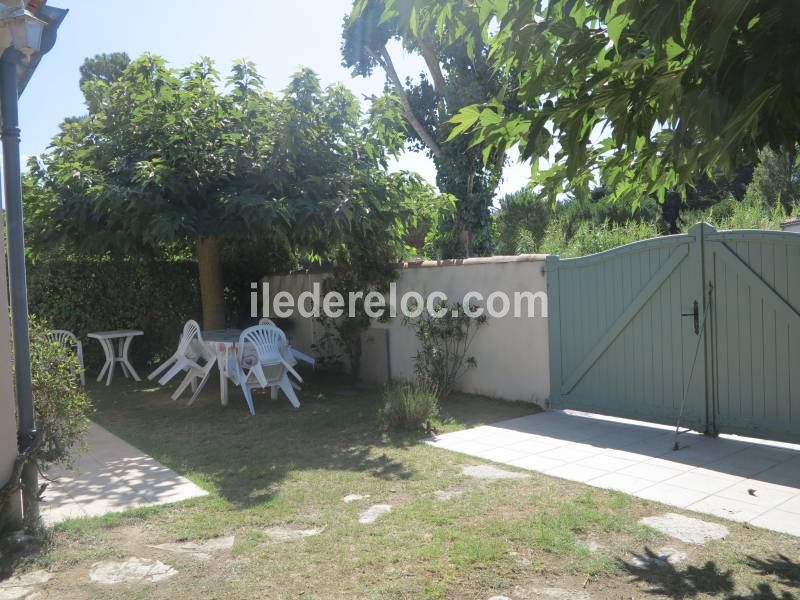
(554, 329)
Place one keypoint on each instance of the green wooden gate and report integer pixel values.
(710, 313)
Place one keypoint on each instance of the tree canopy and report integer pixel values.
(650, 94)
(458, 75)
(176, 158)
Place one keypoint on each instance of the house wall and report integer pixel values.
(8, 410)
(511, 353)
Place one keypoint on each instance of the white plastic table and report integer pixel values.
(124, 337)
(222, 343)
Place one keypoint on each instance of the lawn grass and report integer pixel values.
(292, 467)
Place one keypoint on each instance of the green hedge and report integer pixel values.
(86, 295)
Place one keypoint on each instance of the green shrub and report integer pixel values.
(85, 295)
(739, 215)
(444, 345)
(61, 404)
(408, 406)
(61, 407)
(590, 238)
(95, 294)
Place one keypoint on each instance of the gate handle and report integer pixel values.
(696, 314)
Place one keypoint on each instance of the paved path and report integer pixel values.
(736, 478)
(112, 476)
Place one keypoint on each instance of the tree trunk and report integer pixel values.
(432, 62)
(383, 58)
(209, 261)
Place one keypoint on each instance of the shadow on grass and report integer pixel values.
(782, 567)
(246, 457)
(337, 428)
(661, 578)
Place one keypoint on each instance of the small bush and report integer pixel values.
(444, 342)
(408, 406)
(62, 406)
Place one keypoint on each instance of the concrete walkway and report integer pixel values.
(112, 476)
(735, 478)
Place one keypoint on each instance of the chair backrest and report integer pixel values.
(62, 336)
(190, 334)
(266, 321)
(267, 340)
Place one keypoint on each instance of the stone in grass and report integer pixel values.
(289, 533)
(23, 586)
(448, 494)
(686, 529)
(132, 570)
(593, 546)
(663, 557)
(201, 551)
(373, 513)
(490, 472)
(354, 498)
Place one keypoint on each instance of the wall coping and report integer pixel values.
(466, 262)
(431, 264)
(790, 222)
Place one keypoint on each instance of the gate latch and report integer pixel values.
(696, 314)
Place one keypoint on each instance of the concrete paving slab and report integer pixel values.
(733, 477)
(112, 476)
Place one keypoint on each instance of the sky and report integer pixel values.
(278, 35)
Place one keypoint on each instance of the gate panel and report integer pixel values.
(619, 344)
(755, 283)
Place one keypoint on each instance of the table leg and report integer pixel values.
(222, 361)
(108, 346)
(124, 358)
(119, 354)
(109, 364)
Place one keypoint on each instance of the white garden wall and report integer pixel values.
(512, 353)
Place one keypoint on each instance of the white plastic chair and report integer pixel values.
(191, 351)
(70, 340)
(266, 321)
(260, 363)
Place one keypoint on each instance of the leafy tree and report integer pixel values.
(523, 213)
(105, 68)
(458, 75)
(432, 214)
(170, 160)
(651, 93)
(776, 180)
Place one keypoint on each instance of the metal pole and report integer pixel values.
(12, 187)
